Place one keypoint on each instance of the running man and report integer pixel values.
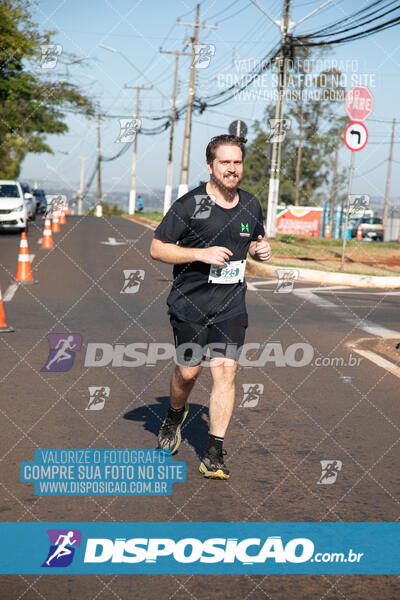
(62, 549)
(207, 300)
(62, 346)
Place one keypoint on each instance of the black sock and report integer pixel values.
(176, 414)
(215, 441)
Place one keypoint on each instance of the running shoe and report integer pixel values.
(213, 465)
(170, 437)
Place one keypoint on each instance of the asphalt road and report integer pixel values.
(304, 415)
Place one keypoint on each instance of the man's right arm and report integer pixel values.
(177, 255)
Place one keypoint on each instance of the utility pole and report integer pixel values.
(273, 189)
(286, 27)
(387, 191)
(132, 193)
(334, 180)
(183, 185)
(81, 184)
(99, 208)
(168, 185)
(346, 221)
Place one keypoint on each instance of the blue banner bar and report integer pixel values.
(156, 548)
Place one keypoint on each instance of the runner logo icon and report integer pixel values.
(62, 547)
(204, 204)
(251, 394)
(62, 351)
(98, 396)
(330, 470)
(286, 280)
(203, 54)
(132, 280)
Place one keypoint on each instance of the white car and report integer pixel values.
(14, 208)
(30, 200)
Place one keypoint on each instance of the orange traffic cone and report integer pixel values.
(62, 216)
(4, 328)
(24, 271)
(327, 230)
(47, 239)
(55, 227)
(66, 209)
(359, 233)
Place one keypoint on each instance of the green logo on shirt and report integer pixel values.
(245, 227)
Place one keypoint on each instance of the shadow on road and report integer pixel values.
(194, 429)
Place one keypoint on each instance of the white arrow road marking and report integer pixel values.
(113, 242)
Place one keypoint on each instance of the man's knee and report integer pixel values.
(187, 374)
(223, 369)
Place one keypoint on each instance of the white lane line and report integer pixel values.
(379, 360)
(382, 293)
(253, 285)
(340, 313)
(12, 288)
(10, 291)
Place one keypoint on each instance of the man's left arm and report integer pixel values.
(260, 249)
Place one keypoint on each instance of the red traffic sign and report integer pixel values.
(359, 103)
(355, 136)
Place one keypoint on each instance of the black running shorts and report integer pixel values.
(223, 339)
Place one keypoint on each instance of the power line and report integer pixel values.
(223, 10)
(356, 22)
(234, 14)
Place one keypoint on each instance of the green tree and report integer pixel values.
(31, 105)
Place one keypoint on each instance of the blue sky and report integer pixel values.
(139, 28)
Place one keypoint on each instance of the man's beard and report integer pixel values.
(227, 183)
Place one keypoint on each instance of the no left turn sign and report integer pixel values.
(355, 136)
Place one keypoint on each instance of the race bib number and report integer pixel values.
(231, 272)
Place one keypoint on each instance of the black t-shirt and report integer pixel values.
(196, 221)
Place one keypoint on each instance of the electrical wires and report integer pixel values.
(354, 24)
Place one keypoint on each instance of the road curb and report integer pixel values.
(143, 221)
(325, 277)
